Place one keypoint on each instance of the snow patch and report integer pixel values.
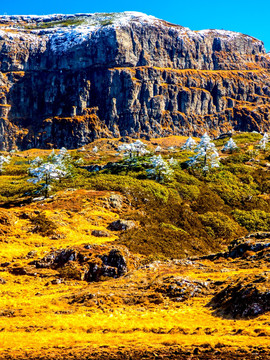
(61, 32)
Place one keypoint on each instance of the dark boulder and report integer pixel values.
(119, 225)
(117, 260)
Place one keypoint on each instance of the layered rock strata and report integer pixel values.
(66, 80)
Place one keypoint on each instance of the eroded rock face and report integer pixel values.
(125, 74)
(245, 298)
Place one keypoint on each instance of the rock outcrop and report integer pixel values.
(91, 263)
(245, 298)
(67, 80)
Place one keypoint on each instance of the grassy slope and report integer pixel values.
(38, 318)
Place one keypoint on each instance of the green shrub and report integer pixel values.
(156, 240)
(208, 201)
(219, 225)
(256, 202)
(247, 137)
(238, 168)
(222, 142)
(230, 188)
(238, 158)
(185, 177)
(139, 190)
(172, 227)
(125, 166)
(188, 192)
(14, 187)
(254, 220)
(16, 168)
(262, 179)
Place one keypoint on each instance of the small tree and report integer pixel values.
(263, 142)
(206, 155)
(189, 144)
(230, 146)
(3, 160)
(57, 167)
(161, 170)
(138, 148)
(62, 160)
(45, 174)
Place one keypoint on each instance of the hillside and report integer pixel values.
(122, 262)
(66, 80)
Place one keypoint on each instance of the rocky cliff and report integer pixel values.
(68, 79)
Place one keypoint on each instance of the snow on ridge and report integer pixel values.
(115, 17)
(61, 32)
(75, 29)
(225, 34)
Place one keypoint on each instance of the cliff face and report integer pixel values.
(66, 80)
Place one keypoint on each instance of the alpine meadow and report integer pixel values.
(134, 190)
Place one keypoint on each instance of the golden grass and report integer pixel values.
(46, 321)
(37, 317)
(41, 319)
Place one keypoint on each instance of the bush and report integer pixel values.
(254, 220)
(220, 225)
(230, 188)
(238, 158)
(208, 201)
(247, 137)
(14, 187)
(188, 192)
(139, 190)
(16, 168)
(185, 177)
(238, 168)
(156, 240)
(262, 179)
(43, 225)
(123, 167)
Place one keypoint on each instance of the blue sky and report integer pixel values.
(248, 17)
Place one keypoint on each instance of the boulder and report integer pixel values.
(100, 233)
(99, 271)
(119, 225)
(180, 289)
(56, 259)
(117, 260)
(115, 201)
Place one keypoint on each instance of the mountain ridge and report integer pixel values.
(60, 83)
